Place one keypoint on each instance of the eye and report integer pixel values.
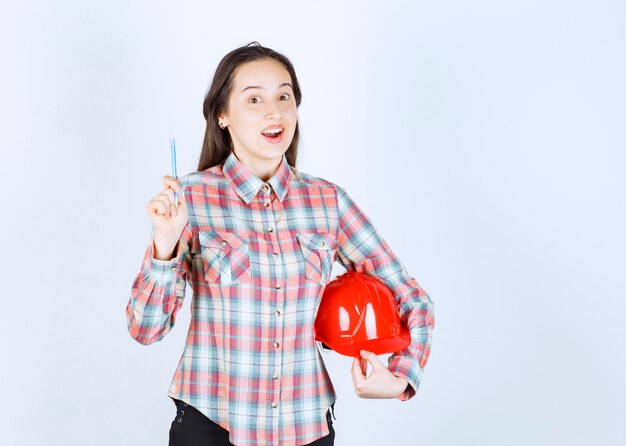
(285, 95)
(253, 99)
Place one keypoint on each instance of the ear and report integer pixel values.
(223, 118)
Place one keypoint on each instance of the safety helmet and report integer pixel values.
(358, 312)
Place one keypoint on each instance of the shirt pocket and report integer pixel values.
(225, 257)
(318, 252)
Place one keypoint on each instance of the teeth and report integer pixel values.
(272, 131)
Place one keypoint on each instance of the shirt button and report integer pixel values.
(275, 254)
(277, 286)
(224, 242)
(276, 345)
(266, 204)
(275, 376)
(274, 404)
(270, 229)
(266, 187)
(277, 312)
(173, 268)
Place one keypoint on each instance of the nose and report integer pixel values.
(273, 111)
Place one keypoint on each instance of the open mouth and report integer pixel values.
(273, 135)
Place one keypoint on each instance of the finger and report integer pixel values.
(173, 185)
(157, 206)
(171, 182)
(181, 199)
(373, 359)
(168, 199)
(363, 364)
(169, 195)
(357, 375)
(169, 192)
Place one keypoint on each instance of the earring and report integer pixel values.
(221, 125)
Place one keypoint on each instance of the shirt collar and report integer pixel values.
(247, 184)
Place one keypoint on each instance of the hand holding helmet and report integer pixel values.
(380, 384)
(358, 317)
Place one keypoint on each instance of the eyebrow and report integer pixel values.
(285, 84)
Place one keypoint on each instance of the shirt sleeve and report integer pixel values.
(361, 248)
(158, 291)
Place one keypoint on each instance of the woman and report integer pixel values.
(256, 240)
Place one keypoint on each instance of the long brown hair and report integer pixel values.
(217, 143)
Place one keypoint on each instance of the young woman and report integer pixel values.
(256, 240)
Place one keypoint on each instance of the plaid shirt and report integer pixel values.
(257, 256)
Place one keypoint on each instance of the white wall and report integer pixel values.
(484, 139)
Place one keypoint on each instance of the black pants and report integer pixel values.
(192, 428)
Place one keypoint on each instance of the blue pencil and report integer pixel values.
(173, 147)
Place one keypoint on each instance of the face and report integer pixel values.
(261, 100)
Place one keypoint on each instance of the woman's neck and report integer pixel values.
(264, 169)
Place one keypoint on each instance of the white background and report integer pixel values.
(485, 140)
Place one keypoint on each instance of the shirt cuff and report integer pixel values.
(162, 271)
(408, 368)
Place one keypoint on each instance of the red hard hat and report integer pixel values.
(358, 312)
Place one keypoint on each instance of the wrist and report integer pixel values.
(164, 249)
